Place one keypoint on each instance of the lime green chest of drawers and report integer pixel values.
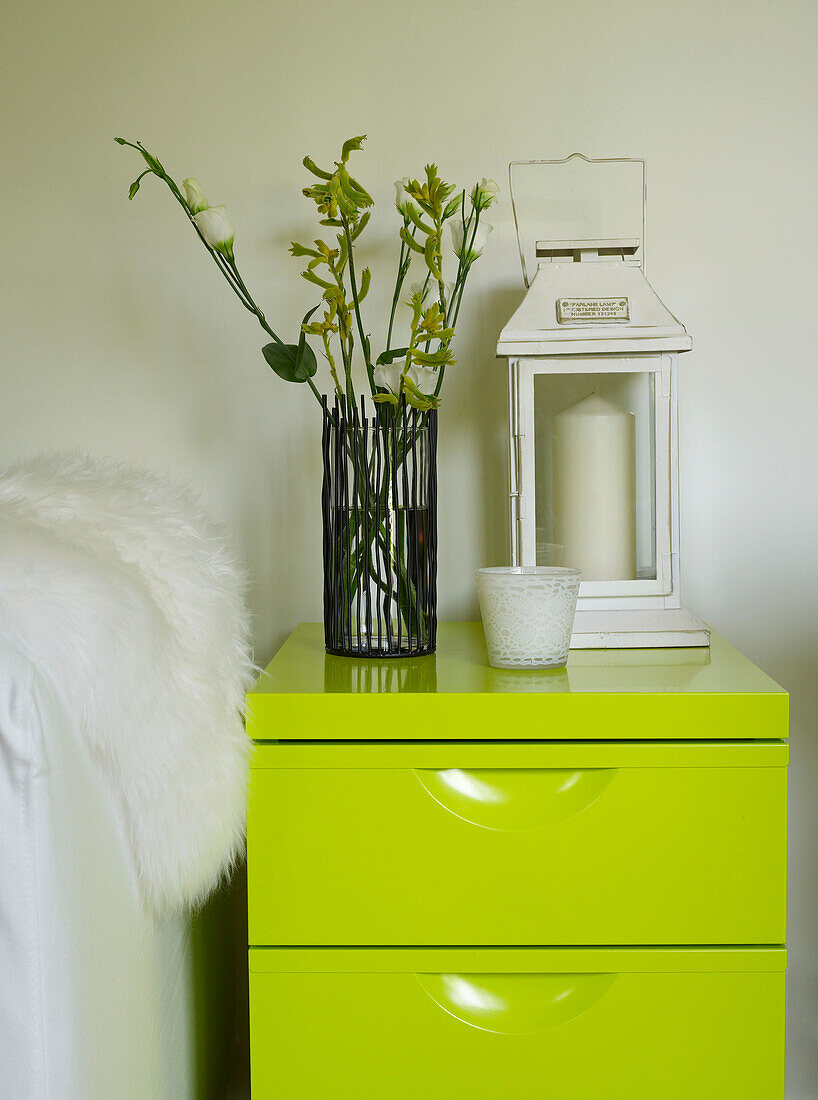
(472, 884)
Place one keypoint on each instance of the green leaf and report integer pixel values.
(292, 362)
(305, 364)
(350, 145)
(336, 223)
(387, 357)
(281, 357)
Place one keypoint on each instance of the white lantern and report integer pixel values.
(592, 354)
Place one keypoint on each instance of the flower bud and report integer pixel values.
(194, 196)
(402, 198)
(484, 194)
(419, 288)
(476, 246)
(216, 226)
(431, 291)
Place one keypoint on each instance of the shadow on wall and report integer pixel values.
(219, 991)
(489, 410)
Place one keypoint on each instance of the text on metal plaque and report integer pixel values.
(589, 311)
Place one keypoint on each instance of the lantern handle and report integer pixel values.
(588, 160)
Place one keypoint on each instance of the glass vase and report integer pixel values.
(379, 509)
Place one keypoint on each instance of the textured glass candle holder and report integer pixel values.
(528, 614)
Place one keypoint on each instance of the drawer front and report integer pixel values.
(476, 1033)
(584, 845)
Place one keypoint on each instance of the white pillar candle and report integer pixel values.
(595, 489)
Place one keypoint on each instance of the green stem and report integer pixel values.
(331, 361)
(467, 265)
(399, 278)
(227, 266)
(345, 343)
(314, 389)
(354, 288)
(441, 290)
(460, 274)
(349, 356)
(466, 268)
(255, 309)
(221, 262)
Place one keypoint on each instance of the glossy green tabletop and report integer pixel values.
(701, 693)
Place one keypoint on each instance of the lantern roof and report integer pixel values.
(583, 306)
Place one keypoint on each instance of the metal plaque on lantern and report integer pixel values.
(592, 354)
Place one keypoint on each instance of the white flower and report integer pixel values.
(194, 196)
(216, 226)
(425, 378)
(477, 245)
(484, 194)
(388, 376)
(402, 198)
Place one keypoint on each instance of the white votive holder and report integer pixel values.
(528, 614)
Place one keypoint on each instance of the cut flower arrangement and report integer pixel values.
(379, 470)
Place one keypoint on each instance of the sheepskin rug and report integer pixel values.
(117, 586)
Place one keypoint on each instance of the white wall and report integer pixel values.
(119, 336)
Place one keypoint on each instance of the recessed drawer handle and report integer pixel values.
(515, 1004)
(515, 799)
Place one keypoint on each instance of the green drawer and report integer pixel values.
(460, 1024)
(584, 843)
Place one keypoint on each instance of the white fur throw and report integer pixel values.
(115, 584)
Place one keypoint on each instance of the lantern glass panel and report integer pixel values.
(577, 200)
(595, 472)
